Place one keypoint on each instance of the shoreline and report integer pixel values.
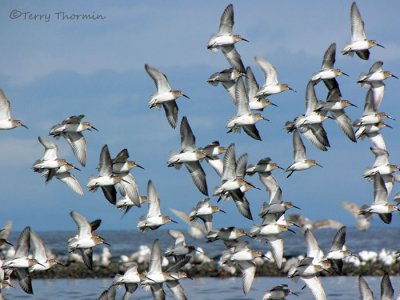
(76, 270)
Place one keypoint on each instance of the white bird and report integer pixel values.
(106, 179)
(252, 87)
(278, 292)
(71, 129)
(42, 255)
(21, 262)
(51, 166)
(244, 257)
(362, 221)
(327, 70)
(380, 205)
(374, 81)
(130, 279)
(6, 122)
(190, 156)
(164, 95)
(212, 151)
(233, 183)
(225, 40)
(271, 85)
(300, 162)
(85, 239)
(153, 219)
(204, 211)
(359, 43)
(244, 117)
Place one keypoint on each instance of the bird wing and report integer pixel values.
(251, 84)
(83, 225)
(188, 140)
(70, 180)
(78, 144)
(242, 99)
(24, 280)
(357, 24)
(387, 291)
(176, 289)
(155, 257)
(252, 131)
(248, 271)
(171, 112)
(233, 57)
(313, 249)
(160, 79)
(351, 207)
(198, 176)
(314, 284)
(50, 149)
(365, 291)
(344, 123)
(310, 98)
(121, 157)
(270, 74)
(130, 189)
(38, 248)
(276, 249)
(154, 201)
(105, 164)
(329, 57)
(241, 165)
(299, 150)
(339, 239)
(23, 243)
(4, 107)
(229, 171)
(226, 21)
(73, 119)
(381, 156)
(380, 192)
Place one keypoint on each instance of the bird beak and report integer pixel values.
(41, 264)
(379, 45)
(351, 104)
(345, 74)
(273, 104)
(265, 119)
(389, 117)
(8, 243)
(245, 40)
(291, 230)
(292, 89)
(319, 165)
(124, 180)
(94, 128)
(105, 243)
(395, 76)
(294, 224)
(279, 167)
(76, 168)
(222, 211)
(139, 166)
(23, 125)
(173, 221)
(296, 207)
(388, 126)
(186, 96)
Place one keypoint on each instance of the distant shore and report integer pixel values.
(78, 270)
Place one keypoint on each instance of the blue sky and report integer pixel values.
(51, 70)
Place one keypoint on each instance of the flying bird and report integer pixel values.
(164, 96)
(359, 43)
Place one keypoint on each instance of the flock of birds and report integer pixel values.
(114, 177)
